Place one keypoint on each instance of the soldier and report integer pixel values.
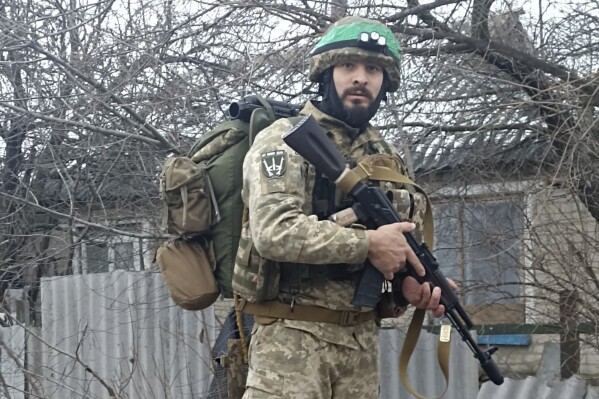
(296, 270)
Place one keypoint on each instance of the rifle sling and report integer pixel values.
(443, 350)
(381, 173)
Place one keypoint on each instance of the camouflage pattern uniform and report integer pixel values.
(300, 359)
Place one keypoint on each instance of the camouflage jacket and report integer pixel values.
(277, 190)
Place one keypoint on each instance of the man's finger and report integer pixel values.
(425, 296)
(439, 312)
(435, 298)
(452, 283)
(406, 227)
(415, 263)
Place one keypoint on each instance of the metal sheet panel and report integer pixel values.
(423, 371)
(12, 358)
(537, 388)
(119, 332)
(592, 393)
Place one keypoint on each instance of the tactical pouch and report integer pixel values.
(187, 195)
(187, 266)
(255, 278)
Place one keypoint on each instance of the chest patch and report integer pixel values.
(274, 163)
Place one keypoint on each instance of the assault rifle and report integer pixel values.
(243, 109)
(374, 209)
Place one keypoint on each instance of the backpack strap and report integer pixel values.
(270, 112)
(261, 118)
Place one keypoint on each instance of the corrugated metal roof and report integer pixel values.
(447, 150)
(537, 388)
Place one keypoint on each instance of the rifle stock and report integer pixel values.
(374, 209)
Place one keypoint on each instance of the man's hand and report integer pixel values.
(421, 296)
(388, 249)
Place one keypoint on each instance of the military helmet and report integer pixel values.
(357, 39)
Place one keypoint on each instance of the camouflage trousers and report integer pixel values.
(294, 364)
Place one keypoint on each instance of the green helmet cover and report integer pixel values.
(342, 42)
(347, 36)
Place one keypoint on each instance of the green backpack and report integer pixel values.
(201, 192)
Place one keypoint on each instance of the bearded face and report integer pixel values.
(356, 101)
(357, 85)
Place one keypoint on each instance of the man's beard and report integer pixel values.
(357, 115)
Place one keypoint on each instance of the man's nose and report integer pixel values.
(360, 76)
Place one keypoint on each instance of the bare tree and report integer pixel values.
(95, 96)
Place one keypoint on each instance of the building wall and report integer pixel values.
(566, 254)
(558, 247)
(561, 247)
(58, 250)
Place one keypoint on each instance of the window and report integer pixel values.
(477, 244)
(124, 256)
(96, 255)
(104, 253)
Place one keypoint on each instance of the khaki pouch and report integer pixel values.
(187, 196)
(188, 270)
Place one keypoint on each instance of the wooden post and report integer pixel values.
(569, 336)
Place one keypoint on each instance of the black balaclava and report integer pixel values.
(331, 103)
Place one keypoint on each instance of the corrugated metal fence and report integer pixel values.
(537, 388)
(123, 326)
(423, 371)
(12, 359)
(119, 333)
